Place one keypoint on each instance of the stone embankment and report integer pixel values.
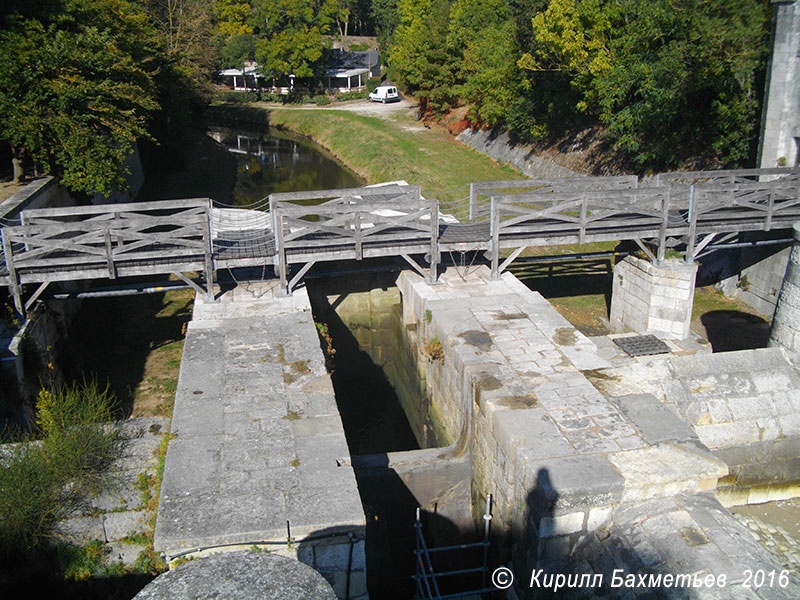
(499, 146)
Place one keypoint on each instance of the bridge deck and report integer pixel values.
(303, 228)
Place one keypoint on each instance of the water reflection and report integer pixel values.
(269, 162)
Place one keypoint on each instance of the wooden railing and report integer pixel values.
(655, 213)
(359, 223)
(108, 241)
(86, 242)
(480, 199)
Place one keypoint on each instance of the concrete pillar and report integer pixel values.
(657, 299)
(780, 128)
(786, 322)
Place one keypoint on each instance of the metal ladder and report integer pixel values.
(427, 578)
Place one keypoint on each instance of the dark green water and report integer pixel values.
(274, 161)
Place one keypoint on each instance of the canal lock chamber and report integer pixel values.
(403, 457)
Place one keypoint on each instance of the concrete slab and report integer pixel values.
(260, 451)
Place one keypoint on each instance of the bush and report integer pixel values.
(344, 96)
(273, 97)
(238, 97)
(43, 481)
(321, 100)
(372, 83)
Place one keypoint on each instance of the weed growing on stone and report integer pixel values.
(322, 329)
(433, 348)
(293, 415)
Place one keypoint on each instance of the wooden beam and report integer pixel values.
(35, 296)
(511, 257)
(296, 279)
(414, 265)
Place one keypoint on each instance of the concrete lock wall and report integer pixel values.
(648, 298)
(590, 469)
(487, 408)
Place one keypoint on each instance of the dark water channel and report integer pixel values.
(274, 161)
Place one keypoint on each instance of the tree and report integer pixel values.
(232, 17)
(76, 97)
(186, 30)
(670, 79)
(292, 33)
(420, 53)
(237, 50)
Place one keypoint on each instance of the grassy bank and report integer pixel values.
(396, 148)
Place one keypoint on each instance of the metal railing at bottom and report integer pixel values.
(428, 579)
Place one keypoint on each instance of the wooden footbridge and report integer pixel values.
(193, 239)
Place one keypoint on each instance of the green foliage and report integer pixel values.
(420, 53)
(42, 482)
(321, 100)
(345, 96)
(237, 50)
(75, 95)
(231, 17)
(291, 34)
(669, 80)
(238, 97)
(386, 19)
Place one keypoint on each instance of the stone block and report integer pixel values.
(667, 469)
(561, 524)
(555, 548)
(749, 407)
(598, 516)
(332, 555)
(722, 435)
(790, 424)
(568, 484)
(654, 421)
(531, 428)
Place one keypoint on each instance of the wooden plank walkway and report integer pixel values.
(302, 228)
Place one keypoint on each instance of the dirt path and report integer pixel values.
(361, 107)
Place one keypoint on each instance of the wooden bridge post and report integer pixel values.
(208, 249)
(473, 200)
(280, 254)
(16, 291)
(494, 211)
(434, 263)
(692, 236)
(662, 236)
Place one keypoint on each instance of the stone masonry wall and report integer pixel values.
(498, 145)
(556, 454)
(744, 406)
(647, 298)
(565, 462)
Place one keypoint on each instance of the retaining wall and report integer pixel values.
(498, 145)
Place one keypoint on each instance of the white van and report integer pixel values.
(384, 93)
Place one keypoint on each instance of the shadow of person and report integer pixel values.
(540, 508)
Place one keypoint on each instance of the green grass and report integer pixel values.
(385, 150)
